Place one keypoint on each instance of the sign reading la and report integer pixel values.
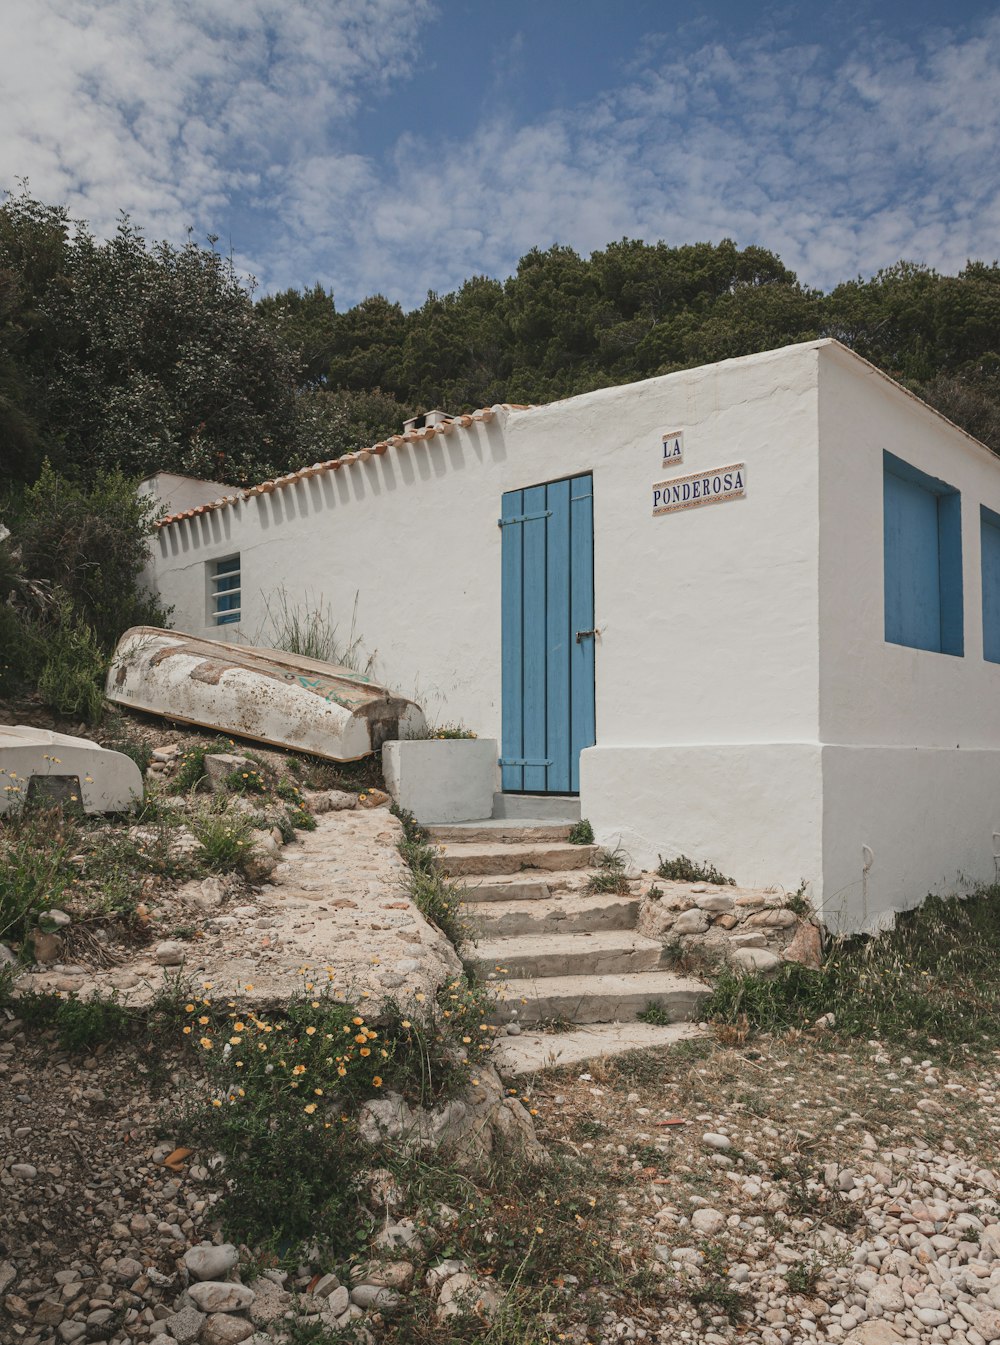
(673, 448)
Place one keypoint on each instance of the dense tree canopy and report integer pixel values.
(136, 356)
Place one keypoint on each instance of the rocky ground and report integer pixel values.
(801, 1189)
(771, 1190)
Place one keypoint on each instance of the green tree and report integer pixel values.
(305, 323)
(140, 357)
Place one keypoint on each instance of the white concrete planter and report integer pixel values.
(442, 779)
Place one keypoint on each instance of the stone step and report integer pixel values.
(464, 858)
(534, 1050)
(583, 955)
(551, 807)
(531, 885)
(499, 831)
(570, 914)
(601, 999)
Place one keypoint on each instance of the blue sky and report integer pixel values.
(403, 145)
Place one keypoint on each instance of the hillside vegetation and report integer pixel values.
(133, 356)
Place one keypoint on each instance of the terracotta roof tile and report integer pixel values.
(487, 414)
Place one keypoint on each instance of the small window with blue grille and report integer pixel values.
(923, 560)
(224, 591)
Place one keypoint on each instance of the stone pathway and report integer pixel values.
(335, 912)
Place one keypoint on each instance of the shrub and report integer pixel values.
(582, 833)
(35, 872)
(91, 544)
(21, 650)
(71, 681)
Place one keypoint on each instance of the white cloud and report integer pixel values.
(169, 109)
(247, 111)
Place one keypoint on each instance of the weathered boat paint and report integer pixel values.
(269, 695)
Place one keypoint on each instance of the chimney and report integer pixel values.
(428, 420)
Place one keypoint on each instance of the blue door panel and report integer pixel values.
(558, 639)
(582, 725)
(512, 698)
(534, 639)
(548, 596)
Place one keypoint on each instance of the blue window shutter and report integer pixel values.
(989, 531)
(922, 535)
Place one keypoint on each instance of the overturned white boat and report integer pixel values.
(275, 697)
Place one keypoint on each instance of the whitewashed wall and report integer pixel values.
(927, 816)
(680, 600)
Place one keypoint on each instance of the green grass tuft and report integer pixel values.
(933, 981)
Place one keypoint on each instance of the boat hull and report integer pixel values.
(268, 695)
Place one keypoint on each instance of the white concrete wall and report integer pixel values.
(753, 810)
(872, 691)
(927, 816)
(708, 617)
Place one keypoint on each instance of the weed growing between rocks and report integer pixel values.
(225, 841)
(610, 874)
(190, 774)
(933, 981)
(684, 870)
(80, 1025)
(436, 897)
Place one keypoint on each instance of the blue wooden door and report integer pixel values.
(548, 635)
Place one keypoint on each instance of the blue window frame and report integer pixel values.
(224, 591)
(923, 560)
(989, 550)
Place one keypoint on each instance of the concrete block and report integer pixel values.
(442, 779)
(35, 763)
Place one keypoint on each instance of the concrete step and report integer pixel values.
(534, 1051)
(551, 807)
(466, 858)
(582, 955)
(601, 999)
(499, 830)
(569, 914)
(531, 885)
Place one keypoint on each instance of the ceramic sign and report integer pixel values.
(712, 487)
(673, 448)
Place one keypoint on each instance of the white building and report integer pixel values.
(750, 611)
